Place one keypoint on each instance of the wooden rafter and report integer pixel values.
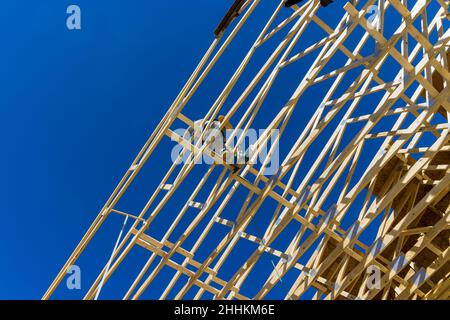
(401, 194)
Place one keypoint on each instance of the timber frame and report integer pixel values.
(373, 158)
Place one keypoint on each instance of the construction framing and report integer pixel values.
(372, 158)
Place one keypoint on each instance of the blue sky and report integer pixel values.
(76, 107)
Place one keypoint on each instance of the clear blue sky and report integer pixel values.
(76, 107)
